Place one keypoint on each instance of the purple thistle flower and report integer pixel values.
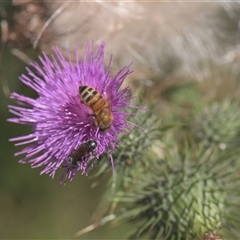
(60, 121)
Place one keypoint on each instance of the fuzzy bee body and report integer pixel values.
(77, 155)
(100, 107)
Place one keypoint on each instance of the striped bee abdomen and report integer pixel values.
(100, 106)
(92, 98)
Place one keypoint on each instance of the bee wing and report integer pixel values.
(79, 153)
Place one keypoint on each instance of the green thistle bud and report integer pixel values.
(184, 197)
(218, 125)
(168, 191)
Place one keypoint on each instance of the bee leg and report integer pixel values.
(80, 160)
(92, 115)
(96, 122)
(91, 160)
(78, 163)
(63, 178)
(70, 160)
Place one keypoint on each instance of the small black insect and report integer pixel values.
(77, 155)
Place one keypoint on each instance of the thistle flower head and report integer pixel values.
(60, 120)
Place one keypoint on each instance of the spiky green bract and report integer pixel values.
(185, 196)
(181, 184)
(128, 161)
(218, 124)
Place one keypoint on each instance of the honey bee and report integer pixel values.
(103, 117)
(77, 155)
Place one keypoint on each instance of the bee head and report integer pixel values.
(92, 145)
